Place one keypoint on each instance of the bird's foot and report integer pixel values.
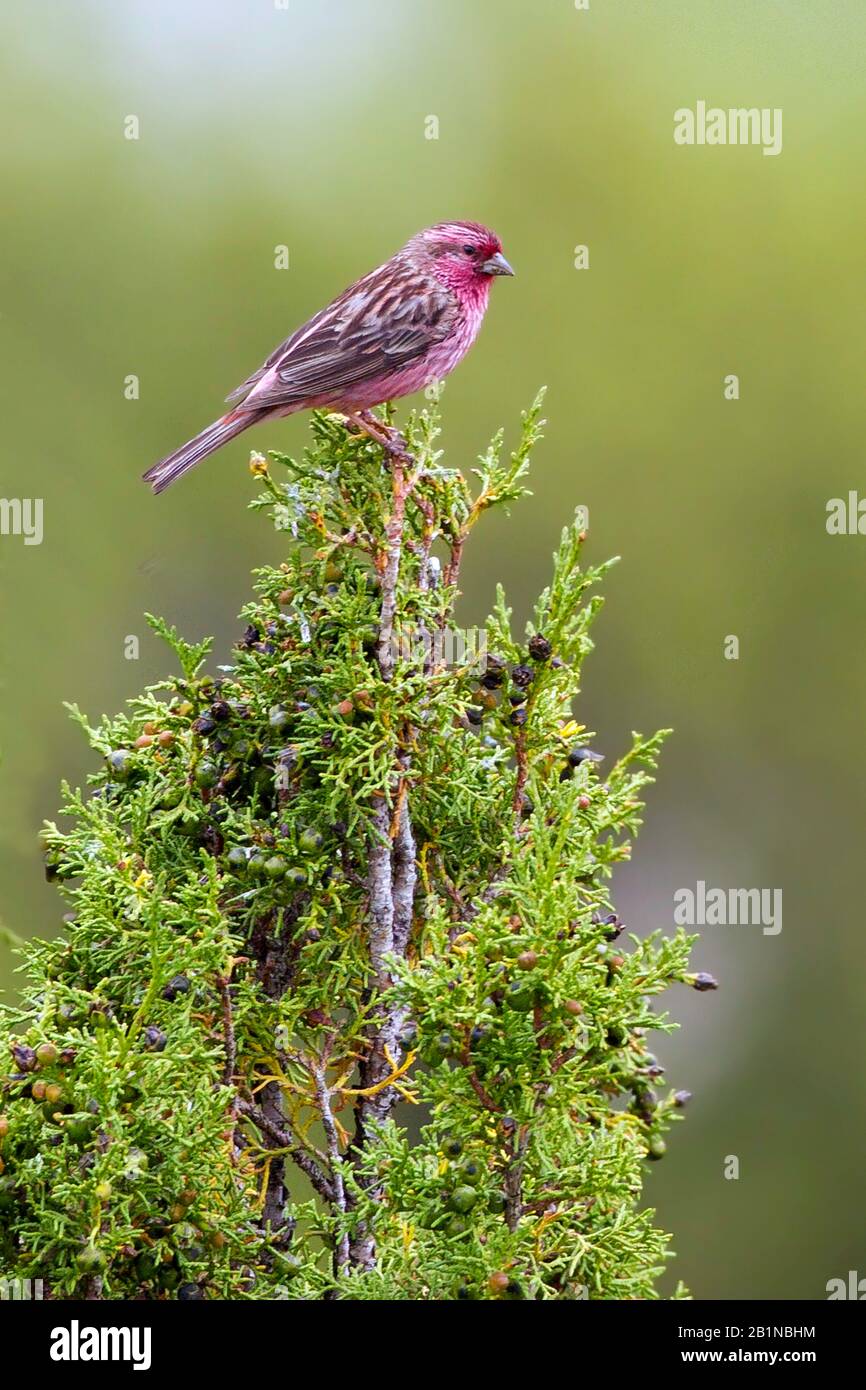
(391, 440)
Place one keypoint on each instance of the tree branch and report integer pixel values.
(392, 877)
(284, 1139)
(323, 1100)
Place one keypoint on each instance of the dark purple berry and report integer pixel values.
(25, 1057)
(582, 755)
(178, 984)
(539, 648)
(154, 1039)
(615, 926)
(120, 762)
(494, 672)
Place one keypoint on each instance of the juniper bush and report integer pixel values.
(336, 1011)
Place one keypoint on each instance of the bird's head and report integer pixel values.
(463, 255)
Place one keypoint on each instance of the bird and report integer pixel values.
(402, 326)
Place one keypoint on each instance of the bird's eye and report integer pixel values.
(470, 250)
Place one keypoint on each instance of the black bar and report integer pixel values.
(602, 1339)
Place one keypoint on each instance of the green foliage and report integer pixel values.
(465, 1106)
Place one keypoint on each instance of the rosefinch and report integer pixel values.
(407, 323)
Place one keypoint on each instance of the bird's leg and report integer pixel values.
(391, 440)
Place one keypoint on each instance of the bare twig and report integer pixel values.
(228, 1029)
(284, 1139)
(513, 1179)
(404, 874)
(380, 892)
(480, 1091)
(391, 571)
(323, 1100)
(522, 773)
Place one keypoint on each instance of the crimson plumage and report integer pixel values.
(405, 324)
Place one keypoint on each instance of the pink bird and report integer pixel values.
(407, 323)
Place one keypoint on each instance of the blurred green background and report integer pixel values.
(304, 126)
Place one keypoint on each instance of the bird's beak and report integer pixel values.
(496, 265)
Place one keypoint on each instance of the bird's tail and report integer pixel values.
(173, 466)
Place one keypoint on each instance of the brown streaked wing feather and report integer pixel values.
(388, 319)
(277, 353)
(247, 386)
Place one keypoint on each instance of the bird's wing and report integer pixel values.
(388, 319)
(246, 386)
